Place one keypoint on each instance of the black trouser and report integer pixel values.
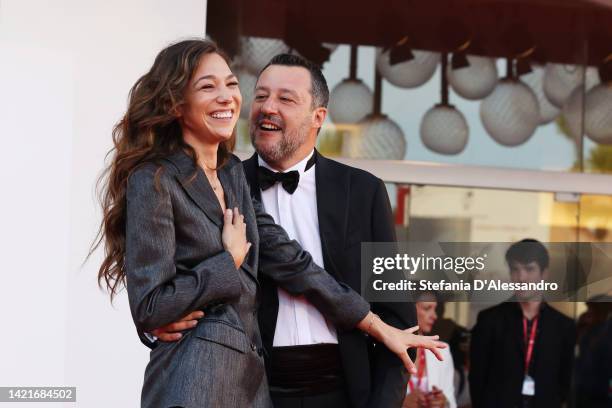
(307, 376)
(334, 399)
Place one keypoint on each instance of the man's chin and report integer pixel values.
(265, 144)
(268, 137)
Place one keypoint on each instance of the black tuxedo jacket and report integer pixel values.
(353, 207)
(497, 358)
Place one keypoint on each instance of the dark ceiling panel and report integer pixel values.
(559, 29)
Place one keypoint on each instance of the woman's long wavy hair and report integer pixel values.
(148, 132)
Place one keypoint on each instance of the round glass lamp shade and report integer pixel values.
(475, 81)
(572, 113)
(560, 80)
(350, 101)
(408, 74)
(378, 137)
(444, 130)
(598, 114)
(572, 108)
(511, 113)
(247, 88)
(535, 80)
(256, 52)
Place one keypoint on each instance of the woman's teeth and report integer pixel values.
(222, 115)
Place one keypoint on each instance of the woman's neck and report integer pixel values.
(206, 152)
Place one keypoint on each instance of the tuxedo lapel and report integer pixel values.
(333, 198)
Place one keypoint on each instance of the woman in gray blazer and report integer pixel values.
(181, 231)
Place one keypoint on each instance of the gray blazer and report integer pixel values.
(175, 263)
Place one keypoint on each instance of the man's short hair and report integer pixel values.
(319, 89)
(526, 251)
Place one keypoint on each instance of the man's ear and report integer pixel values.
(319, 116)
(545, 274)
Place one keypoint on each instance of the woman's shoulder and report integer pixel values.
(233, 163)
(233, 159)
(150, 173)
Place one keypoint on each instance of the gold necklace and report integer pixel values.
(213, 180)
(215, 183)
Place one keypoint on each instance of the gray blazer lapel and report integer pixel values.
(196, 185)
(231, 178)
(202, 194)
(231, 188)
(200, 191)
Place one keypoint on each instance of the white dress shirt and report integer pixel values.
(298, 322)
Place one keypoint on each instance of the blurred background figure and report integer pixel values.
(598, 310)
(433, 385)
(594, 362)
(458, 339)
(522, 352)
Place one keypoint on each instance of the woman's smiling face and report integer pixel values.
(212, 101)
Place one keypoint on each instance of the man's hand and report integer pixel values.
(416, 399)
(436, 398)
(170, 331)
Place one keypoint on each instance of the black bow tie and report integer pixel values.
(267, 178)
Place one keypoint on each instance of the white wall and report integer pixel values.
(65, 70)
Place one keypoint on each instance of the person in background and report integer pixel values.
(433, 384)
(522, 351)
(458, 339)
(599, 308)
(594, 362)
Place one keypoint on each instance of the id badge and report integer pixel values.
(528, 386)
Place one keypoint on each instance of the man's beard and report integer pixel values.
(289, 143)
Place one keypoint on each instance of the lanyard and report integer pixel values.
(529, 342)
(420, 370)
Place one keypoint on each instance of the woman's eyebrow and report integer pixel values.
(210, 76)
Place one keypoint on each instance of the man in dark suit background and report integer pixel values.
(505, 370)
(330, 208)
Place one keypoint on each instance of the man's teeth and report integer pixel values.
(222, 115)
(269, 126)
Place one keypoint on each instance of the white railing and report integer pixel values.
(436, 174)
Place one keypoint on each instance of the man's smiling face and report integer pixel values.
(282, 115)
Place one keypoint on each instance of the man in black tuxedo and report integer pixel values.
(522, 352)
(330, 208)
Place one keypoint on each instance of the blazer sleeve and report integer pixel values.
(291, 268)
(158, 292)
(389, 376)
